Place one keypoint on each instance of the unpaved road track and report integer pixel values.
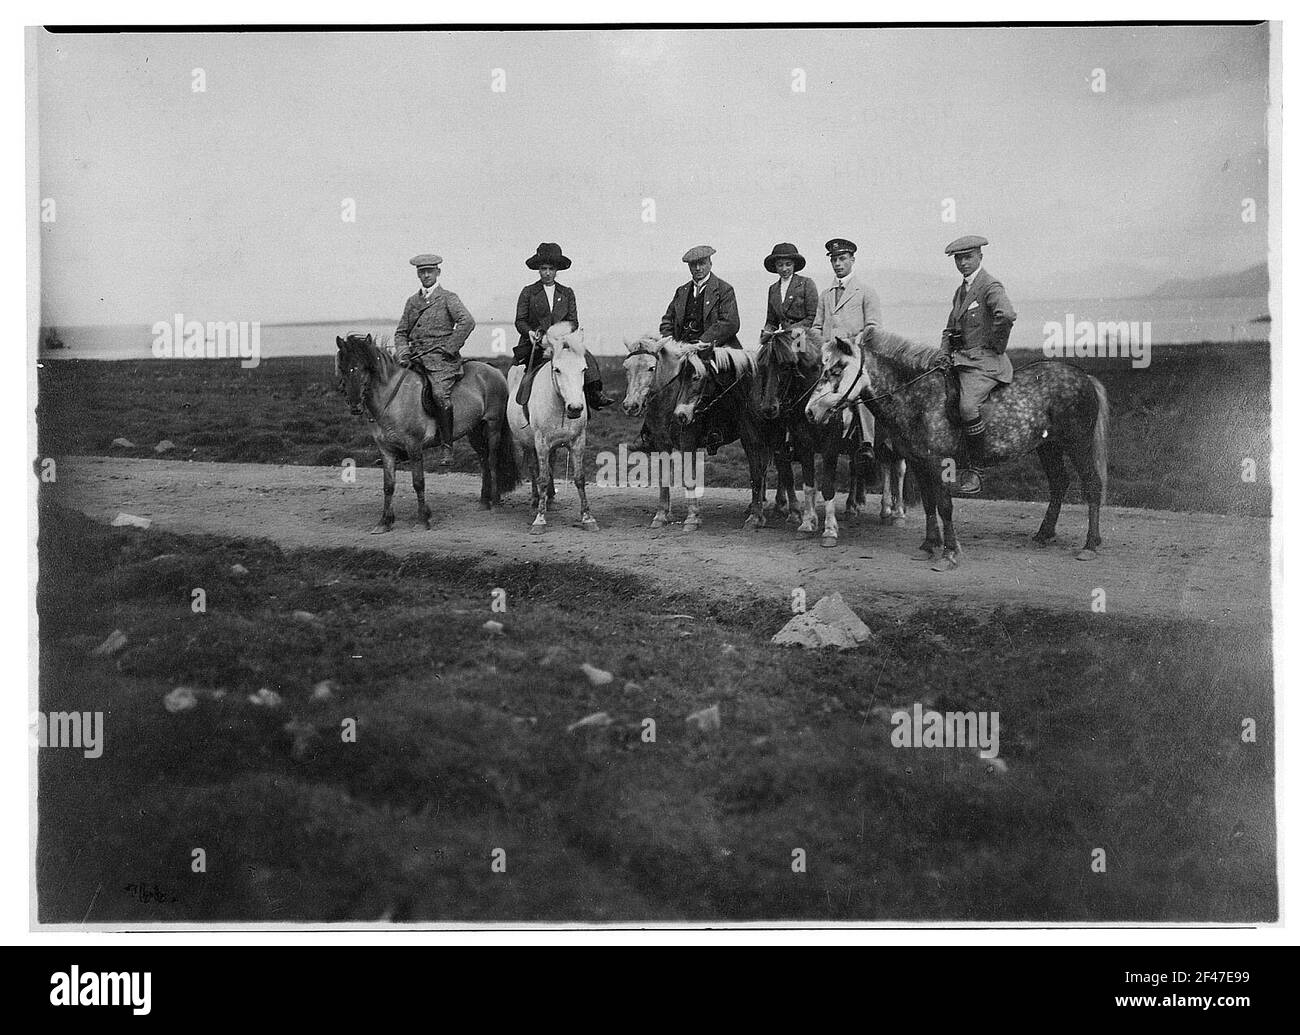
(1204, 566)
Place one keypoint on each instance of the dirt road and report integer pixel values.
(1205, 566)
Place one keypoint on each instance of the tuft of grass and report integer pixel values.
(1116, 734)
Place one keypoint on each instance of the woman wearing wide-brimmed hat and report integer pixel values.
(543, 304)
(792, 300)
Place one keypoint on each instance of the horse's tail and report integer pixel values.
(1100, 434)
(506, 474)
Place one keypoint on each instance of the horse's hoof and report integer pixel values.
(753, 523)
(382, 527)
(924, 553)
(1038, 539)
(946, 563)
(484, 505)
(426, 524)
(898, 520)
(1086, 555)
(589, 525)
(690, 526)
(829, 541)
(657, 522)
(537, 527)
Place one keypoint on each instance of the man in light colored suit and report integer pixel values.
(429, 336)
(845, 310)
(975, 345)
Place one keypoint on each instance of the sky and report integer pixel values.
(226, 204)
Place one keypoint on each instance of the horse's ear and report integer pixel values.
(338, 341)
(843, 346)
(370, 339)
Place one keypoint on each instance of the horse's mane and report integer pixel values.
(373, 349)
(562, 333)
(781, 345)
(894, 347)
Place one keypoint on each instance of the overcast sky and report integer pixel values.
(226, 204)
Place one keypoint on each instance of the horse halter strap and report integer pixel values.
(392, 392)
(717, 398)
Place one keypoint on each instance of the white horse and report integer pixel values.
(557, 416)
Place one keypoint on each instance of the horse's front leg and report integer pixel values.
(577, 452)
(757, 455)
(951, 548)
(830, 526)
(422, 512)
(390, 484)
(541, 483)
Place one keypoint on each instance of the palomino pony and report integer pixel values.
(718, 392)
(789, 366)
(1050, 407)
(557, 416)
(655, 367)
(389, 394)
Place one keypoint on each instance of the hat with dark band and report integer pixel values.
(836, 245)
(700, 251)
(966, 244)
(548, 254)
(426, 259)
(784, 251)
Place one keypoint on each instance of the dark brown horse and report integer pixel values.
(788, 368)
(374, 383)
(1050, 407)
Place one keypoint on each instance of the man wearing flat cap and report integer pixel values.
(844, 310)
(704, 308)
(543, 304)
(433, 327)
(975, 345)
(792, 299)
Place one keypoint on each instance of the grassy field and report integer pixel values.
(1179, 429)
(1115, 734)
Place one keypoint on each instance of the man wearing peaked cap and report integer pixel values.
(429, 336)
(975, 346)
(844, 310)
(543, 304)
(703, 310)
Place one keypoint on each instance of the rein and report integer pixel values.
(846, 401)
(717, 398)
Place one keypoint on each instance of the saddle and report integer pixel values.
(426, 388)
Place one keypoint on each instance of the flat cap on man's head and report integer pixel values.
(700, 251)
(426, 259)
(966, 244)
(837, 245)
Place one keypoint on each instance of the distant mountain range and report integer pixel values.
(1249, 283)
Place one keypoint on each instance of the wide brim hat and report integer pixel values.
(549, 254)
(784, 251)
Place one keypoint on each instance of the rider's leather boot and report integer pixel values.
(969, 481)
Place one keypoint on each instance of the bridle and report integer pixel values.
(846, 401)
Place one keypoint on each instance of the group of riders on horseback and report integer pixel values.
(825, 371)
(435, 324)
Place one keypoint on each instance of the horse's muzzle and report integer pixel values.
(684, 417)
(632, 409)
(573, 412)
